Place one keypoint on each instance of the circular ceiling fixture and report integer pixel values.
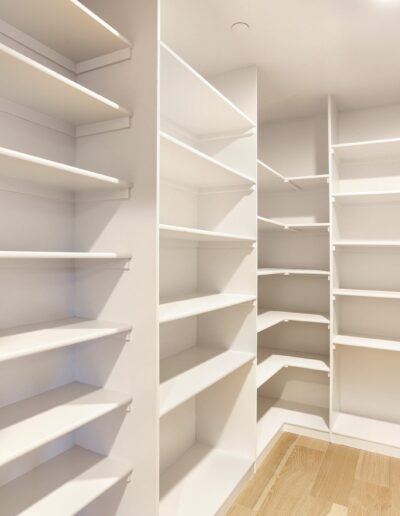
(240, 27)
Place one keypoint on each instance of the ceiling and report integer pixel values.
(304, 49)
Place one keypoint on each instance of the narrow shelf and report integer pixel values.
(366, 342)
(269, 318)
(271, 361)
(271, 271)
(172, 309)
(201, 481)
(34, 422)
(186, 374)
(183, 164)
(39, 255)
(265, 224)
(64, 485)
(192, 103)
(310, 183)
(52, 23)
(51, 93)
(366, 197)
(269, 180)
(184, 233)
(273, 414)
(33, 169)
(370, 149)
(367, 429)
(37, 338)
(309, 226)
(385, 294)
(366, 243)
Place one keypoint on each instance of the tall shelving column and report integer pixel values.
(207, 286)
(293, 281)
(365, 160)
(78, 185)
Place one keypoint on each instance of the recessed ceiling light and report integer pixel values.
(240, 27)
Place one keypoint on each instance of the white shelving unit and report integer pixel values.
(207, 311)
(78, 325)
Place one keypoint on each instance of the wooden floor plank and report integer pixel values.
(292, 487)
(373, 468)
(240, 510)
(369, 499)
(309, 442)
(336, 475)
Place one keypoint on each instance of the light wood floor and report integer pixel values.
(308, 477)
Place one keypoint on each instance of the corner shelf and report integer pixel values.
(172, 309)
(181, 485)
(310, 183)
(51, 174)
(271, 271)
(267, 319)
(368, 150)
(59, 255)
(183, 164)
(309, 226)
(64, 485)
(36, 338)
(193, 103)
(186, 374)
(265, 224)
(271, 361)
(34, 422)
(184, 233)
(51, 93)
(273, 415)
(271, 181)
(366, 342)
(384, 294)
(52, 23)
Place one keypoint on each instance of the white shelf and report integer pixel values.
(172, 309)
(201, 481)
(192, 103)
(366, 243)
(34, 422)
(265, 224)
(309, 226)
(37, 338)
(310, 183)
(185, 165)
(271, 271)
(384, 294)
(52, 23)
(367, 197)
(270, 318)
(37, 87)
(186, 374)
(367, 150)
(271, 361)
(269, 180)
(272, 414)
(39, 255)
(184, 233)
(367, 429)
(33, 169)
(366, 342)
(64, 485)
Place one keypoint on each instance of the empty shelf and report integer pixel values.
(309, 226)
(270, 318)
(372, 149)
(34, 422)
(64, 485)
(33, 169)
(183, 233)
(36, 338)
(367, 197)
(186, 165)
(271, 361)
(41, 255)
(366, 243)
(52, 23)
(186, 374)
(172, 309)
(273, 414)
(367, 429)
(269, 180)
(310, 183)
(192, 103)
(37, 87)
(201, 481)
(271, 271)
(366, 342)
(265, 224)
(385, 294)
